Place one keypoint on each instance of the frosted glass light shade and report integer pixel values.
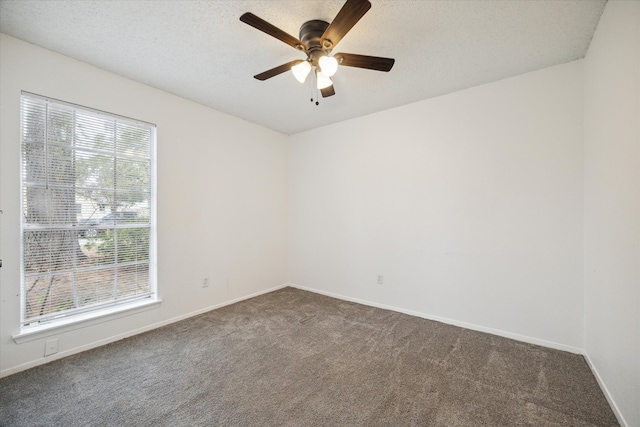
(328, 65)
(323, 81)
(301, 71)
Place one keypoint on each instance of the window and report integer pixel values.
(88, 199)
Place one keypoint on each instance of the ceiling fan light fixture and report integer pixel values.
(323, 81)
(301, 71)
(328, 65)
(317, 39)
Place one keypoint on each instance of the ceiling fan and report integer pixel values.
(317, 39)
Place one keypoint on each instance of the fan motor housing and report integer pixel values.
(310, 34)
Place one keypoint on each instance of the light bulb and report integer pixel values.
(328, 65)
(323, 81)
(301, 71)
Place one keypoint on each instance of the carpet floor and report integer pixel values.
(295, 358)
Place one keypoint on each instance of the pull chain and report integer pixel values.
(311, 88)
(314, 88)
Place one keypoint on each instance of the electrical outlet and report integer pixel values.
(380, 279)
(51, 347)
(205, 282)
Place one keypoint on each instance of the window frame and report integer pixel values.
(102, 310)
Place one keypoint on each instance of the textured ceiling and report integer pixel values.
(201, 51)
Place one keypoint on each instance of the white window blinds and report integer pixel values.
(88, 200)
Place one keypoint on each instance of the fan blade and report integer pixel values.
(328, 91)
(277, 70)
(364, 61)
(262, 25)
(348, 16)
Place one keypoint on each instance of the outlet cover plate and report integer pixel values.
(51, 347)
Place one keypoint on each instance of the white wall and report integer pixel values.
(221, 197)
(470, 206)
(612, 205)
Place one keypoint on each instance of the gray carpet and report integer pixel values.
(294, 358)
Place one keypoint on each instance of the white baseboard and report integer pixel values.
(517, 337)
(505, 334)
(605, 391)
(75, 350)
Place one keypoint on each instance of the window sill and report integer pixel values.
(84, 320)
